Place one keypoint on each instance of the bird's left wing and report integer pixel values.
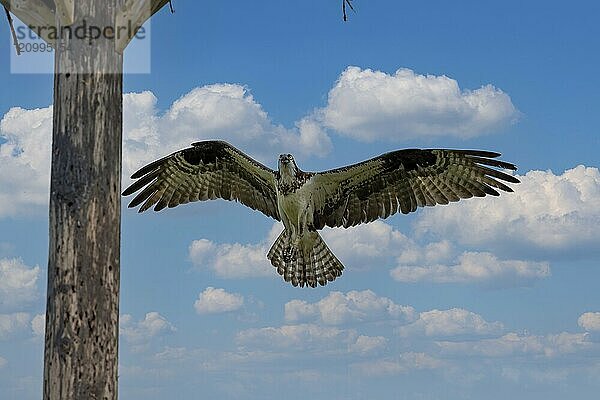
(208, 170)
(402, 181)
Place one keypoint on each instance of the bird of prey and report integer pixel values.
(306, 202)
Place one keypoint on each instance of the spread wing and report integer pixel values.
(402, 181)
(206, 171)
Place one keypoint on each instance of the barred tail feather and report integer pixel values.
(308, 263)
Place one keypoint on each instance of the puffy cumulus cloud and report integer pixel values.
(25, 160)
(18, 283)
(231, 260)
(402, 364)
(364, 246)
(590, 321)
(354, 306)
(230, 112)
(213, 301)
(11, 323)
(367, 344)
(377, 243)
(142, 331)
(309, 338)
(473, 267)
(38, 325)
(514, 344)
(453, 322)
(371, 105)
(235, 260)
(551, 213)
(219, 111)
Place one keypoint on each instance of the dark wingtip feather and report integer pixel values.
(141, 182)
(478, 153)
(493, 163)
(150, 167)
(491, 191)
(510, 178)
(160, 205)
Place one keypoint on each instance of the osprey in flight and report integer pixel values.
(305, 202)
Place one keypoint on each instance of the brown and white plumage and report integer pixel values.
(206, 171)
(305, 202)
(403, 180)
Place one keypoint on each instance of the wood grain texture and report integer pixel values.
(82, 314)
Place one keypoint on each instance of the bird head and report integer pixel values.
(287, 165)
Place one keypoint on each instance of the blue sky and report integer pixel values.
(489, 298)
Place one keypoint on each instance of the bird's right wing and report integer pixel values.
(208, 170)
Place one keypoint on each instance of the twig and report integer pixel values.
(349, 3)
(12, 30)
(171, 7)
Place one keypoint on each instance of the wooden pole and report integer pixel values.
(82, 313)
(82, 309)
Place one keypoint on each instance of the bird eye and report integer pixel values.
(289, 156)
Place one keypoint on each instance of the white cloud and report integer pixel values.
(25, 160)
(218, 111)
(372, 105)
(294, 336)
(566, 343)
(212, 301)
(231, 260)
(513, 344)
(11, 323)
(309, 338)
(507, 345)
(402, 364)
(38, 325)
(378, 242)
(151, 326)
(365, 246)
(18, 282)
(473, 267)
(453, 322)
(354, 306)
(548, 212)
(3, 362)
(367, 344)
(590, 321)
(235, 260)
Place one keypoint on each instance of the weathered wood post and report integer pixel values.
(82, 312)
(82, 325)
